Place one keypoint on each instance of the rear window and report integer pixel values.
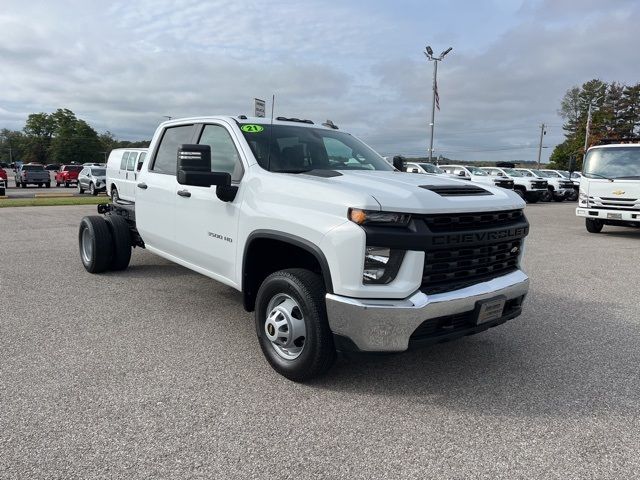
(32, 167)
(98, 172)
(73, 168)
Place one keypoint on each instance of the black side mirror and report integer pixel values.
(194, 168)
(139, 166)
(462, 174)
(398, 163)
(572, 165)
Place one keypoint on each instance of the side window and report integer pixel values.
(123, 162)
(224, 155)
(140, 160)
(166, 158)
(131, 161)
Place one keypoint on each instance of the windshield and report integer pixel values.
(619, 162)
(476, 171)
(564, 173)
(291, 149)
(526, 173)
(98, 172)
(513, 172)
(552, 174)
(431, 168)
(540, 173)
(32, 167)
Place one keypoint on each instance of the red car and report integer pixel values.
(68, 175)
(3, 175)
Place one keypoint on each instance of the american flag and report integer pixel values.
(437, 97)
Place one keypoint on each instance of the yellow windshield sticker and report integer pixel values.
(252, 128)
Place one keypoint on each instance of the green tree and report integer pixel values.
(39, 130)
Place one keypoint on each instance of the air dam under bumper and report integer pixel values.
(386, 325)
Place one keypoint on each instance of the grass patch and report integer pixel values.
(52, 202)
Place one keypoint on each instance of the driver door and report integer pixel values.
(206, 227)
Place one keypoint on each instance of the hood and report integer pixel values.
(405, 192)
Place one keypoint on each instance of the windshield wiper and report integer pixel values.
(599, 176)
(631, 177)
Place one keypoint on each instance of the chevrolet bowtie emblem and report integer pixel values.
(618, 192)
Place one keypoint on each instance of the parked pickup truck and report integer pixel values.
(475, 174)
(529, 188)
(32, 173)
(68, 175)
(331, 247)
(559, 188)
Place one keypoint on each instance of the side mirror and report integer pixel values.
(139, 166)
(398, 163)
(462, 174)
(194, 168)
(572, 165)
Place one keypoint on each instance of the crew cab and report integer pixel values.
(529, 188)
(32, 174)
(610, 187)
(559, 188)
(68, 175)
(331, 247)
(564, 174)
(476, 174)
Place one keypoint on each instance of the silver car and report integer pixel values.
(93, 179)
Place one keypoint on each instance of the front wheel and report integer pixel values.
(114, 195)
(66, 184)
(57, 184)
(92, 189)
(292, 326)
(593, 226)
(80, 189)
(48, 184)
(520, 193)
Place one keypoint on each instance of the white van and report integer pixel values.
(122, 172)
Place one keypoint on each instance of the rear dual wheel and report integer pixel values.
(105, 243)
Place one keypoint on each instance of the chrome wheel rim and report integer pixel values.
(284, 326)
(87, 246)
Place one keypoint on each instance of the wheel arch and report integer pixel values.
(285, 251)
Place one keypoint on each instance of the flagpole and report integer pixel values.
(429, 54)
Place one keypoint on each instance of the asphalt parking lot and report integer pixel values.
(156, 373)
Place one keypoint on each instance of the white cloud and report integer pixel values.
(123, 66)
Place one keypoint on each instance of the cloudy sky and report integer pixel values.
(123, 65)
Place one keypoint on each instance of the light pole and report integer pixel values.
(429, 54)
(588, 126)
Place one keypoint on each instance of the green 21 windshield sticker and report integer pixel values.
(252, 128)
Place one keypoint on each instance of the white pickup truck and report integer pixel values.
(610, 187)
(331, 246)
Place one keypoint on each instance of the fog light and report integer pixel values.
(381, 264)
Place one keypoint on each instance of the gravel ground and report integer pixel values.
(156, 373)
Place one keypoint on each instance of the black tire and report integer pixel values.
(57, 184)
(80, 189)
(533, 199)
(593, 226)
(546, 196)
(40, 185)
(557, 198)
(92, 189)
(520, 193)
(307, 289)
(114, 194)
(23, 185)
(66, 184)
(121, 235)
(101, 242)
(48, 184)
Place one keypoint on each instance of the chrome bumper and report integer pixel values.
(386, 325)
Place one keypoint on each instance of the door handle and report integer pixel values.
(184, 193)
(142, 186)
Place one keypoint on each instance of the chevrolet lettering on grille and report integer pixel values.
(477, 237)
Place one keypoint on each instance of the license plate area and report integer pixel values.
(489, 309)
(614, 216)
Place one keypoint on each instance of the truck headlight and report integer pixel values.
(381, 265)
(374, 217)
(583, 200)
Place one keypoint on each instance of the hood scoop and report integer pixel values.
(456, 190)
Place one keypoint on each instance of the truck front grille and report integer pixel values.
(491, 253)
(538, 184)
(505, 184)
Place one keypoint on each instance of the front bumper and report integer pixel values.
(387, 325)
(607, 215)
